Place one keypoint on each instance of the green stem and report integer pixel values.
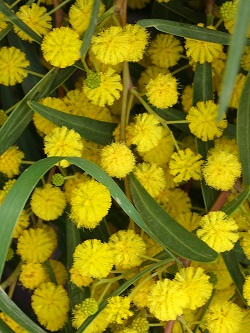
(34, 73)
(59, 6)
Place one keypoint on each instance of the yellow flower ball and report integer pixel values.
(117, 160)
(161, 91)
(48, 202)
(10, 161)
(61, 47)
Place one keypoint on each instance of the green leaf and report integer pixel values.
(12, 310)
(5, 31)
(166, 230)
(22, 115)
(121, 289)
(11, 16)
(231, 207)
(237, 44)
(91, 28)
(189, 30)
(93, 130)
(203, 91)
(243, 131)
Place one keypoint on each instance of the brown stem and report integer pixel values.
(220, 201)
(169, 326)
(59, 14)
(121, 8)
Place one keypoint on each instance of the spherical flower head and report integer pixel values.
(160, 154)
(57, 179)
(224, 317)
(111, 46)
(59, 271)
(81, 311)
(3, 24)
(140, 325)
(36, 18)
(187, 98)
(196, 284)
(99, 324)
(32, 275)
(225, 144)
(140, 294)
(237, 90)
(13, 65)
(117, 160)
(151, 176)
(165, 50)
(150, 72)
(72, 183)
(35, 245)
(146, 132)
(201, 51)
(219, 231)
(185, 165)
(107, 91)
(167, 300)
(61, 47)
(10, 161)
(228, 10)
(90, 202)
(138, 37)
(62, 141)
(51, 305)
(48, 202)
(118, 309)
(162, 91)
(80, 9)
(203, 121)
(128, 248)
(93, 258)
(221, 170)
(44, 125)
(189, 220)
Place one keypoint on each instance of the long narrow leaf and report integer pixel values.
(93, 130)
(243, 131)
(237, 44)
(189, 31)
(166, 229)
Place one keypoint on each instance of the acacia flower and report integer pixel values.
(221, 170)
(32, 275)
(161, 91)
(82, 310)
(3, 23)
(22, 223)
(140, 324)
(48, 202)
(165, 50)
(185, 165)
(93, 258)
(51, 305)
(62, 141)
(150, 72)
(201, 51)
(78, 279)
(138, 37)
(118, 309)
(245, 59)
(59, 271)
(245, 243)
(36, 18)
(219, 231)
(203, 121)
(146, 132)
(196, 285)
(128, 248)
(224, 317)
(105, 89)
(13, 65)
(80, 9)
(61, 47)
(99, 324)
(10, 161)
(111, 46)
(140, 293)
(117, 160)
(35, 245)
(167, 300)
(90, 202)
(151, 176)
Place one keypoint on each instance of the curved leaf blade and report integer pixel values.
(237, 44)
(93, 130)
(188, 31)
(243, 131)
(166, 229)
